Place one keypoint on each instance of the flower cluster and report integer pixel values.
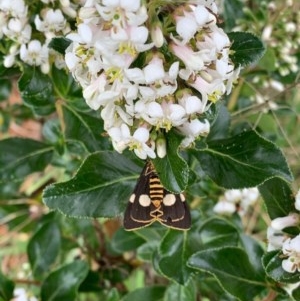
(27, 31)
(236, 200)
(278, 239)
(149, 67)
(280, 32)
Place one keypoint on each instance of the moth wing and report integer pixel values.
(137, 213)
(176, 215)
(131, 223)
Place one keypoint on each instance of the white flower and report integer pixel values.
(15, 8)
(281, 223)
(249, 197)
(165, 115)
(192, 130)
(192, 104)
(9, 59)
(53, 21)
(18, 30)
(275, 239)
(291, 249)
(20, 294)
(122, 139)
(186, 27)
(191, 59)
(154, 71)
(224, 207)
(233, 195)
(35, 54)
(241, 198)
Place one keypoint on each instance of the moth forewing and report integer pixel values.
(176, 215)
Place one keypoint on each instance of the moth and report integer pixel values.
(151, 202)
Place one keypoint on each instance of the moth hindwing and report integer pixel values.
(151, 202)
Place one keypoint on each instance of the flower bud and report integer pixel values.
(157, 36)
(285, 222)
(297, 200)
(161, 147)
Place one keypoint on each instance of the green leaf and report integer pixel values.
(84, 128)
(63, 283)
(113, 295)
(272, 262)
(37, 91)
(296, 293)
(231, 267)
(278, 197)
(60, 44)
(179, 292)
(217, 232)
(20, 157)
(6, 288)
(67, 88)
(101, 187)
(124, 241)
(146, 294)
(145, 251)
(254, 251)
(174, 252)
(43, 248)
(220, 126)
(246, 48)
(233, 10)
(269, 60)
(245, 160)
(5, 89)
(173, 171)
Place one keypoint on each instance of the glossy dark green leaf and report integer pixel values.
(37, 91)
(272, 262)
(278, 197)
(5, 89)
(246, 48)
(233, 10)
(232, 268)
(20, 157)
(146, 294)
(245, 160)
(60, 44)
(6, 288)
(43, 248)
(101, 187)
(217, 232)
(145, 251)
(85, 128)
(124, 241)
(220, 126)
(66, 87)
(173, 171)
(179, 292)
(254, 251)
(174, 252)
(63, 283)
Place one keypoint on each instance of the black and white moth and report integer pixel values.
(151, 202)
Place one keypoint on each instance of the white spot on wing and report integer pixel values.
(132, 197)
(182, 197)
(169, 199)
(144, 200)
